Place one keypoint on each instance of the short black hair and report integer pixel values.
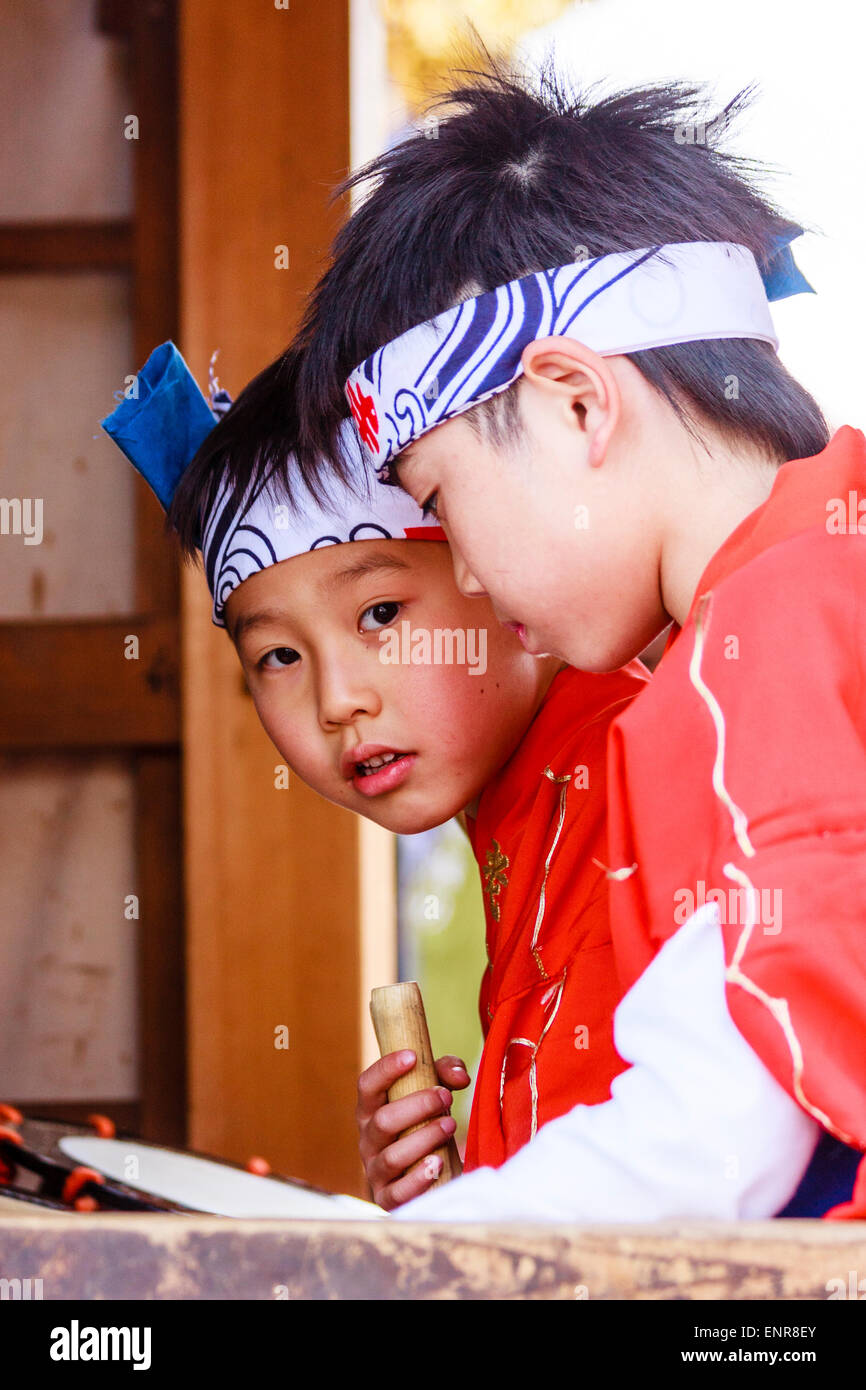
(512, 174)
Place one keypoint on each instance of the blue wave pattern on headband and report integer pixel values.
(245, 535)
(486, 343)
(163, 421)
(233, 547)
(474, 351)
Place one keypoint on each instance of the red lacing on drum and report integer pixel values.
(7, 1170)
(104, 1127)
(73, 1185)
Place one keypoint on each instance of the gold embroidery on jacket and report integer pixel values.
(563, 790)
(526, 1042)
(495, 877)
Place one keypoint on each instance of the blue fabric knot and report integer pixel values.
(781, 274)
(162, 427)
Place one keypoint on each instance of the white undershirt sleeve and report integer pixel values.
(697, 1127)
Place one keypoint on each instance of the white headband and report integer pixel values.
(165, 419)
(622, 303)
(238, 542)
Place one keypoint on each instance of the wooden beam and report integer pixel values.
(65, 246)
(161, 948)
(155, 282)
(114, 18)
(152, 32)
(119, 1256)
(70, 684)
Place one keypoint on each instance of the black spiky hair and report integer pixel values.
(510, 174)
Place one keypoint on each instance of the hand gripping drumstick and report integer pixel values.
(400, 1022)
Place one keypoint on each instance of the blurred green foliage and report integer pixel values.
(442, 943)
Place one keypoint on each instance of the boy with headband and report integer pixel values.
(553, 327)
(313, 584)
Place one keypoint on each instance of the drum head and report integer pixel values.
(208, 1185)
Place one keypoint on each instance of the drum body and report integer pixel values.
(90, 1168)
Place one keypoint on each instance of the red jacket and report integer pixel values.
(740, 775)
(548, 996)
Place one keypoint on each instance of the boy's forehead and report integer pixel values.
(427, 448)
(440, 454)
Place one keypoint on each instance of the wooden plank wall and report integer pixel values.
(67, 696)
(286, 915)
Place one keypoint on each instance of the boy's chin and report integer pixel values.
(600, 658)
(405, 821)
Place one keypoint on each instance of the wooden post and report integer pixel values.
(277, 961)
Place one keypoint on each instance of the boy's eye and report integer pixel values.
(428, 508)
(378, 616)
(285, 656)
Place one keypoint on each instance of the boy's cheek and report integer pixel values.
(283, 735)
(308, 755)
(455, 706)
(317, 773)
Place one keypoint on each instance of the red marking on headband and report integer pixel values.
(364, 410)
(425, 533)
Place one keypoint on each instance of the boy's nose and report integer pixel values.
(342, 700)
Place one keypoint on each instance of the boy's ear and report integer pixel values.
(564, 363)
(574, 373)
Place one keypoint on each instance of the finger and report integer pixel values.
(452, 1072)
(376, 1081)
(395, 1161)
(412, 1184)
(383, 1126)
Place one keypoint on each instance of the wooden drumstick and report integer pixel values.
(400, 1022)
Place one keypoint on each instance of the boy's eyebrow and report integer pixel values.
(256, 619)
(369, 564)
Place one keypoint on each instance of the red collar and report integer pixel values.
(798, 500)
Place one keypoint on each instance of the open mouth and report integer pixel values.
(382, 772)
(372, 765)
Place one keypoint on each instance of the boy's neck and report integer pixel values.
(714, 490)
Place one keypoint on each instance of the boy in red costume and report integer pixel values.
(586, 393)
(313, 595)
(549, 993)
(538, 832)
